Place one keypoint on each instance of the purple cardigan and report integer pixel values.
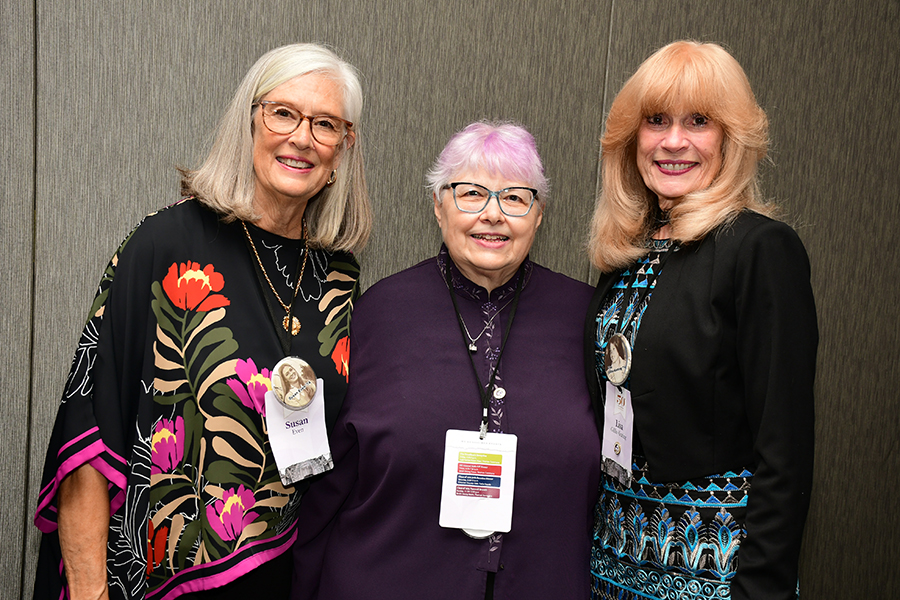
(370, 527)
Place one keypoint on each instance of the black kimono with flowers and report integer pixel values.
(165, 399)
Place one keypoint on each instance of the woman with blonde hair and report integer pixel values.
(707, 422)
(161, 480)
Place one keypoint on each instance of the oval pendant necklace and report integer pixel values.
(288, 319)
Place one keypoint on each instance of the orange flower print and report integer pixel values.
(189, 288)
(341, 357)
(156, 547)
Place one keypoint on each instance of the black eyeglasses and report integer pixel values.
(474, 198)
(283, 119)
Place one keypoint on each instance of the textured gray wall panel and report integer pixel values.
(430, 71)
(16, 235)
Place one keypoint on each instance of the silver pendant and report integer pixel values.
(617, 359)
(472, 347)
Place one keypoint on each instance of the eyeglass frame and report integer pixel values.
(303, 117)
(491, 194)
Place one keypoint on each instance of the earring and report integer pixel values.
(332, 179)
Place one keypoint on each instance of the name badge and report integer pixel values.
(618, 424)
(479, 481)
(298, 437)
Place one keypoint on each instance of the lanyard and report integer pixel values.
(483, 390)
(284, 336)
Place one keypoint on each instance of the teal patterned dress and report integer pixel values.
(654, 540)
(724, 336)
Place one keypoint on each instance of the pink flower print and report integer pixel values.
(167, 445)
(230, 515)
(253, 385)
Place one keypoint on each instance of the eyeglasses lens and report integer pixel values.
(283, 120)
(473, 198)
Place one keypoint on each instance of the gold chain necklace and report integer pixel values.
(295, 322)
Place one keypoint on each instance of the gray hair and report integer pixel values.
(339, 217)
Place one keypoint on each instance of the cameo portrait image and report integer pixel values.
(616, 353)
(294, 382)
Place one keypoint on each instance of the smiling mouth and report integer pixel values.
(490, 237)
(297, 164)
(675, 168)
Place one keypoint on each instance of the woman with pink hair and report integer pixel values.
(466, 456)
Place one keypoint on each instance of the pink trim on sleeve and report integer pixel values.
(44, 525)
(64, 590)
(75, 440)
(116, 503)
(92, 455)
(118, 479)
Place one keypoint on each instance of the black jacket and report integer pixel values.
(722, 379)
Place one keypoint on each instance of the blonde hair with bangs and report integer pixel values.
(339, 217)
(682, 76)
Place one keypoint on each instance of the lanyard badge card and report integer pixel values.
(618, 426)
(478, 483)
(480, 467)
(295, 419)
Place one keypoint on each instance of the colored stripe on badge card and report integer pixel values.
(481, 457)
(478, 480)
(470, 469)
(477, 492)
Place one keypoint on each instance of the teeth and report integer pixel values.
(676, 166)
(490, 238)
(298, 164)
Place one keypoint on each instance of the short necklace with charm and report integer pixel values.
(498, 392)
(288, 318)
(661, 219)
(473, 346)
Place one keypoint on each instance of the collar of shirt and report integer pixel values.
(465, 288)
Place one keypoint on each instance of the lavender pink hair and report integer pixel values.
(504, 149)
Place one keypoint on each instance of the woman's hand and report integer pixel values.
(83, 529)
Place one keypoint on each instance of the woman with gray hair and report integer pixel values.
(466, 457)
(161, 479)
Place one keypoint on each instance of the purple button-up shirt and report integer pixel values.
(370, 528)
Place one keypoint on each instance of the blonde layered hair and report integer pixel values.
(339, 217)
(683, 76)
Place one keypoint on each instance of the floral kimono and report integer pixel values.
(165, 398)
